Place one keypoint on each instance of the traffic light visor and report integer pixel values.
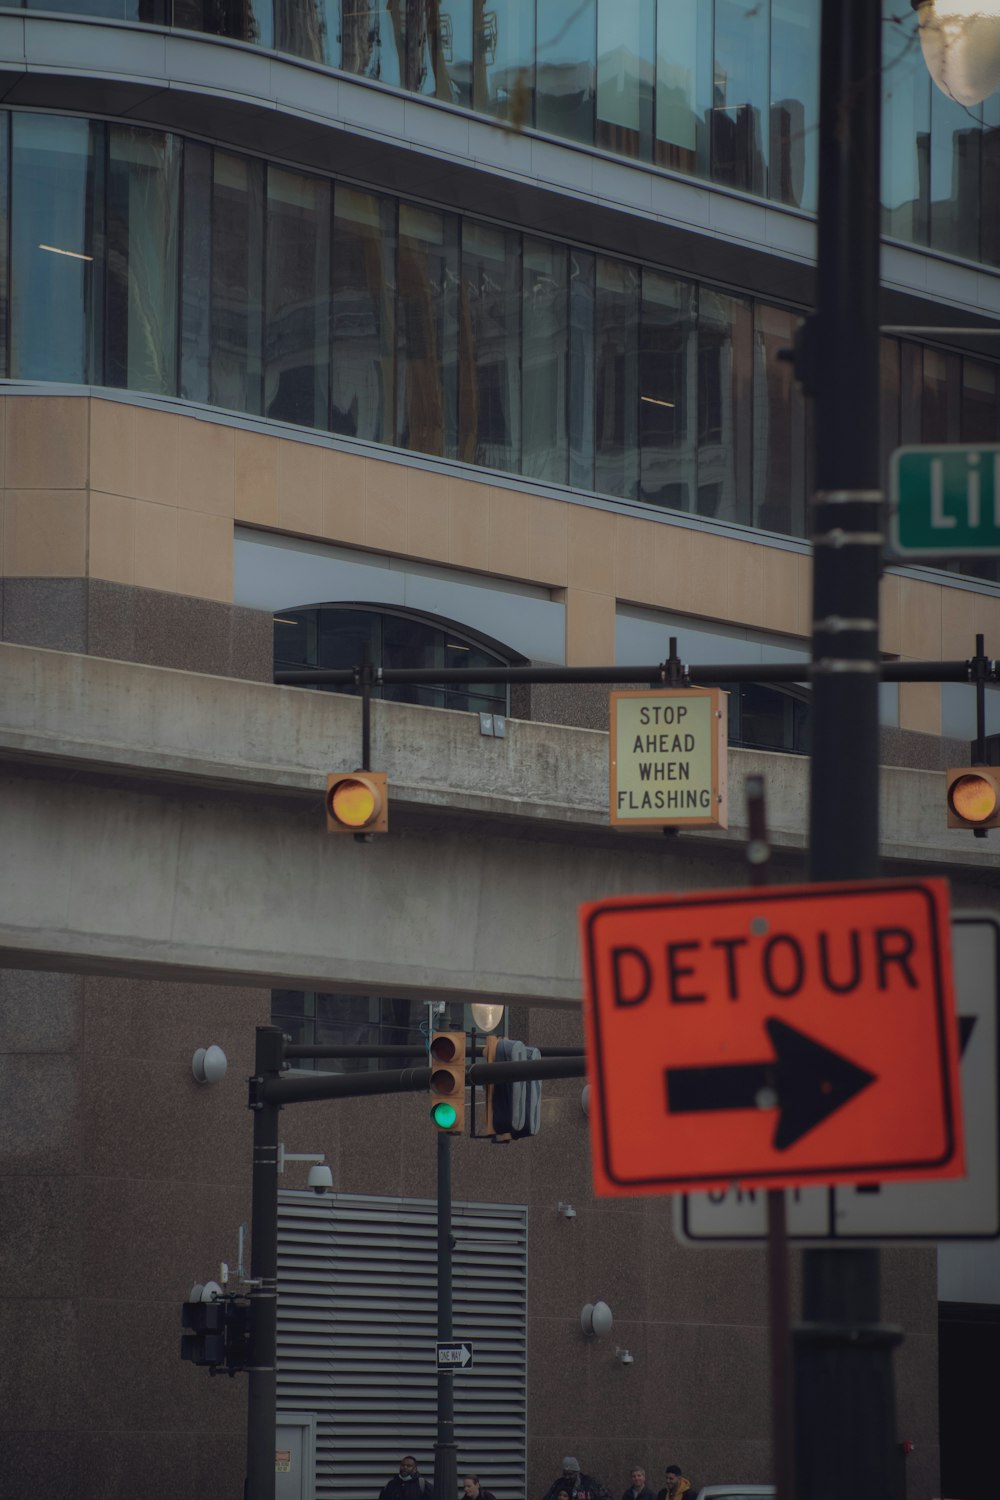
(973, 797)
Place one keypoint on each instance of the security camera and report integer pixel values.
(320, 1179)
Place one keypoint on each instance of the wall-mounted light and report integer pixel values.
(486, 1016)
(960, 40)
(209, 1065)
(596, 1320)
(567, 1210)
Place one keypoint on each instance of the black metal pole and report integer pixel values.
(445, 1459)
(262, 1371)
(845, 1401)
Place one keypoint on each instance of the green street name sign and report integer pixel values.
(946, 501)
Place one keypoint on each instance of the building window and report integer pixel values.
(315, 1018)
(344, 636)
(763, 717)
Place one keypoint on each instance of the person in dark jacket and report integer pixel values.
(638, 1488)
(408, 1484)
(579, 1486)
(473, 1490)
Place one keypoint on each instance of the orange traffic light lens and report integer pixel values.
(353, 803)
(973, 798)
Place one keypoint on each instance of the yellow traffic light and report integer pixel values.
(973, 797)
(357, 802)
(447, 1061)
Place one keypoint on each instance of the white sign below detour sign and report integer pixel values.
(897, 1212)
(668, 758)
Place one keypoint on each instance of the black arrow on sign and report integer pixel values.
(805, 1082)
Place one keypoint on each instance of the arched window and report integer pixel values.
(345, 635)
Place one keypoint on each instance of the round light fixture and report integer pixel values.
(960, 40)
(486, 1016)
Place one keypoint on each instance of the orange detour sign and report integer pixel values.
(776, 1037)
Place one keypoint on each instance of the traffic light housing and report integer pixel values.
(357, 802)
(447, 1063)
(973, 797)
(216, 1334)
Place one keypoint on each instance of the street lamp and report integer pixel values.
(960, 40)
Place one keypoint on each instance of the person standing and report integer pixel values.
(675, 1486)
(473, 1489)
(578, 1486)
(638, 1488)
(408, 1484)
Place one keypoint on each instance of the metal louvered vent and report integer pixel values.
(357, 1323)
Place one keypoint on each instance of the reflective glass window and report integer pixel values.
(243, 20)
(437, 44)
(941, 408)
(196, 273)
(625, 47)
(143, 212)
(667, 412)
(989, 200)
(427, 331)
(372, 38)
(566, 53)
(4, 239)
(581, 368)
(906, 127)
(490, 395)
(794, 101)
(297, 306)
(979, 402)
(741, 94)
(503, 59)
(616, 378)
(308, 28)
(725, 406)
(545, 373)
(779, 426)
(955, 157)
(911, 393)
(364, 315)
(237, 274)
(54, 167)
(683, 85)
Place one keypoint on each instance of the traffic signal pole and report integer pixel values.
(845, 1399)
(262, 1370)
(445, 1458)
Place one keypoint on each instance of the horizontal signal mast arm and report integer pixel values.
(301, 1089)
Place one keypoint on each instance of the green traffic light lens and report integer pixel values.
(444, 1115)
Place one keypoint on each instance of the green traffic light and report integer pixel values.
(444, 1115)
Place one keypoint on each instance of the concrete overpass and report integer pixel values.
(170, 825)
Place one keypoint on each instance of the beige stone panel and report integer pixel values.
(112, 447)
(508, 533)
(590, 628)
(958, 625)
(206, 477)
(745, 583)
(46, 442)
(157, 443)
(781, 580)
(204, 555)
(428, 517)
(591, 550)
(692, 572)
(111, 537)
(344, 504)
(919, 620)
(155, 546)
(890, 638)
(256, 479)
(45, 534)
(987, 623)
(920, 706)
(548, 541)
(806, 597)
(469, 507)
(302, 487)
(635, 559)
(385, 505)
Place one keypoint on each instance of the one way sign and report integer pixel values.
(454, 1354)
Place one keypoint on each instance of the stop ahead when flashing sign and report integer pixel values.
(773, 1037)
